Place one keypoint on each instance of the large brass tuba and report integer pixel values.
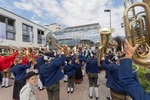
(137, 30)
(105, 35)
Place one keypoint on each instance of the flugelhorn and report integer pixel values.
(105, 35)
(137, 30)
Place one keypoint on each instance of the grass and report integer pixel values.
(143, 81)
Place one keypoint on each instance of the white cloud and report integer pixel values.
(76, 12)
(23, 6)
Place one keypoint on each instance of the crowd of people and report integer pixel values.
(51, 67)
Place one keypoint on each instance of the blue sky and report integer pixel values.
(69, 12)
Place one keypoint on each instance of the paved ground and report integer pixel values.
(80, 93)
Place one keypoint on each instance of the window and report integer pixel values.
(40, 34)
(29, 29)
(10, 22)
(10, 27)
(25, 38)
(2, 19)
(26, 29)
(10, 36)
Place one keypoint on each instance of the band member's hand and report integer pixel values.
(129, 50)
(58, 51)
(87, 74)
(103, 57)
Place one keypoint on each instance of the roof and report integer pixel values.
(80, 26)
(23, 18)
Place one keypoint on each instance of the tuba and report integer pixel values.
(105, 35)
(137, 30)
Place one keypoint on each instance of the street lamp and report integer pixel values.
(108, 10)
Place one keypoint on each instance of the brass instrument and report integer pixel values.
(29, 53)
(137, 30)
(105, 34)
(50, 39)
(65, 47)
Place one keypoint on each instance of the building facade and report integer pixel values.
(20, 32)
(83, 34)
(54, 27)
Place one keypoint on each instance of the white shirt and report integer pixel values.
(27, 92)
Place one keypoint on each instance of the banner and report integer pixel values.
(43, 40)
(2, 31)
(31, 37)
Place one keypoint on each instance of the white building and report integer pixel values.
(20, 32)
(54, 27)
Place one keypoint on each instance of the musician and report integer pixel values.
(78, 75)
(25, 60)
(19, 71)
(127, 77)
(70, 69)
(86, 52)
(82, 60)
(112, 70)
(40, 61)
(51, 74)
(92, 70)
(5, 63)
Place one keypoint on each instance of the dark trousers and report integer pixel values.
(1, 76)
(93, 79)
(18, 84)
(53, 92)
(71, 81)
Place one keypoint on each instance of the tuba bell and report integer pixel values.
(137, 31)
(105, 35)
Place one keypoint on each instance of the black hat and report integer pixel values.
(114, 58)
(147, 75)
(48, 56)
(30, 74)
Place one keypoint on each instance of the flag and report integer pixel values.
(43, 40)
(2, 31)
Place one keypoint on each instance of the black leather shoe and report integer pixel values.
(90, 97)
(97, 98)
(41, 89)
(108, 98)
(72, 92)
(8, 86)
(2, 86)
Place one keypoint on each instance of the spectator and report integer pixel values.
(27, 92)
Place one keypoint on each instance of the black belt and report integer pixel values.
(118, 92)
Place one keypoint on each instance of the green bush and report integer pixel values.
(143, 81)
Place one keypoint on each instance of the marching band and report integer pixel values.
(72, 64)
